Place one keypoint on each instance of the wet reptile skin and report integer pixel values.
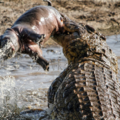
(88, 89)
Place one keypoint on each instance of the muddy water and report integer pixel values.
(29, 74)
(114, 44)
(32, 82)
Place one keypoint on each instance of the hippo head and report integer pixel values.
(8, 44)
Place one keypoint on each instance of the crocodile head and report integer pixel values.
(71, 39)
(85, 44)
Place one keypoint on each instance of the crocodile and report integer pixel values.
(88, 89)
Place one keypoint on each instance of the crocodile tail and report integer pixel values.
(49, 2)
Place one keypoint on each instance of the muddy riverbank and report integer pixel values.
(103, 15)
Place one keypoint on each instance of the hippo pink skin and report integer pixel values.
(38, 20)
(35, 25)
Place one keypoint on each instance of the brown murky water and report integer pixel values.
(31, 81)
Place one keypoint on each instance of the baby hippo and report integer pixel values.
(28, 33)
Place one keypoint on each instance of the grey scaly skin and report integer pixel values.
(89, 89)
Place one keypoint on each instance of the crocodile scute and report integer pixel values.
(88, 89)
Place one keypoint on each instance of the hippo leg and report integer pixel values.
(30, 34)
(36, 54)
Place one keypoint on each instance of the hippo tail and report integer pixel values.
(49, 2)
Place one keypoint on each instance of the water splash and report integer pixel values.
(9, 109)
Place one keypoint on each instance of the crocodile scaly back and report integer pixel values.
(89, 88)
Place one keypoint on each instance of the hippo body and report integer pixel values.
(40, 19)
(37, 23)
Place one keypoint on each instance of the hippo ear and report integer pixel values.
(37, 38)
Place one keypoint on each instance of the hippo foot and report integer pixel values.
(35, 114)
(36, 56)
(41, 61)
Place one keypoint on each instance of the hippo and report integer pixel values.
(29, 32)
